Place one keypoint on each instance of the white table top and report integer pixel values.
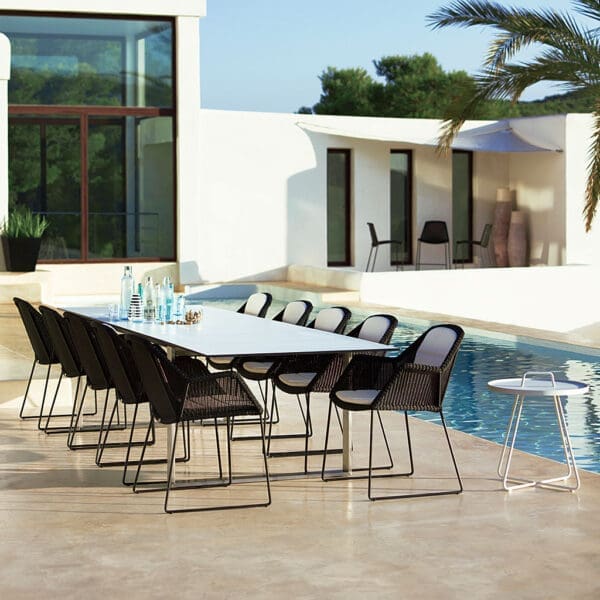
(538, 387)
(228, 333)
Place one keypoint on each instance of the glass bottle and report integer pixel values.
(126, 292)
(169, 298)
(149, 300)
(159, 308)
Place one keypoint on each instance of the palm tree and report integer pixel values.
(568, 53)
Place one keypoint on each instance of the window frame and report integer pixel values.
(347, 152)
(84, 112)
(469, 258)
(408, 250)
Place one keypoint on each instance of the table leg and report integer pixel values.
(171, 441)
(347, 441)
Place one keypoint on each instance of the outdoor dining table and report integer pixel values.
(228, 333)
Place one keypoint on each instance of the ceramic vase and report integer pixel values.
(517, 240)
(504, 206)
(136, 312)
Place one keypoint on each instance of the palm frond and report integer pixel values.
(592, 190)
(588, 8)
(517, 27)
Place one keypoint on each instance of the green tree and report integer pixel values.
(567, 52)
(416, 86)
(345, 92)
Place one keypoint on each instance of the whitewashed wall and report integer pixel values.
(263, 190)
(582, 247)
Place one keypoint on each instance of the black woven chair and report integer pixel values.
(128, 385)
(178, 397)
(416, 380)
(43, 353)
(436, 233)
(97, 378)
(483, 244)
(60, 334)
(294, 313)
(306, 373)
(375, 243)
(257, 305)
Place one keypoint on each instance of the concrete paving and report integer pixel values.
(69, 529)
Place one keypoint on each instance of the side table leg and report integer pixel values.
(506, 458)
(569, 455)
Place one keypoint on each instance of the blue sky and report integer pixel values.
(266, 55)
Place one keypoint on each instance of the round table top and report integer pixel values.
(538, 387)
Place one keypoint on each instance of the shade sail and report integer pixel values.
(494, 137)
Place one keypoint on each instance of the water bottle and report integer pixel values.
(169, 298)
(160, 303)
(149, 300)
(126, 292)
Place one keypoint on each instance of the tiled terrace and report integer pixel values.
(71, 530)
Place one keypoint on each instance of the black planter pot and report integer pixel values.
(21, 254)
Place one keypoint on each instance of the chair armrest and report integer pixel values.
(219, 395)
(413, 387)
(366, 372)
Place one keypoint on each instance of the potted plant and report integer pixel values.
(21, 235)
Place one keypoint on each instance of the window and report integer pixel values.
(462, 202)
(401, 206)
(338, 207)
(91, 130)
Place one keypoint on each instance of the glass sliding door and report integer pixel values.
(45, 175)
(92, 124)
(401, 206)
(462, 203)
(338, 207)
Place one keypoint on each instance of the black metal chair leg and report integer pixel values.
(420, 494)
(21, 416)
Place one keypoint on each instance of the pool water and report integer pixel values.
(470, 407)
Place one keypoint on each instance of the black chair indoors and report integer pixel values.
(483, 244)
(435, 233)
(294, 313)
(416, 380)
(304, 374)
(375, 243)
(178, 397)
(43, 352)
(257, 305)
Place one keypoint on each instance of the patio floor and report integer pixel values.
(69, 529)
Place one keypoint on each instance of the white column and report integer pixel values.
(4, 77)
(189, 203)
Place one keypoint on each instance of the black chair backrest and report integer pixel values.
(166, 403)
(373, 234)
(295, 313)
(486, 235)
(120, 363)
(90, 355)
(333, 319)
(436, 347)
(376, 328)
(257, 304)
(37, 332)
(60, 334)
(434, 232)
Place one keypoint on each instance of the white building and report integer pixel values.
(107, 138)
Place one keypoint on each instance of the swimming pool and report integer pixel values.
(470, 407)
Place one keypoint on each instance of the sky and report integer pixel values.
(267, 55)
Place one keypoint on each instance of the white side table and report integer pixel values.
(526, 387)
